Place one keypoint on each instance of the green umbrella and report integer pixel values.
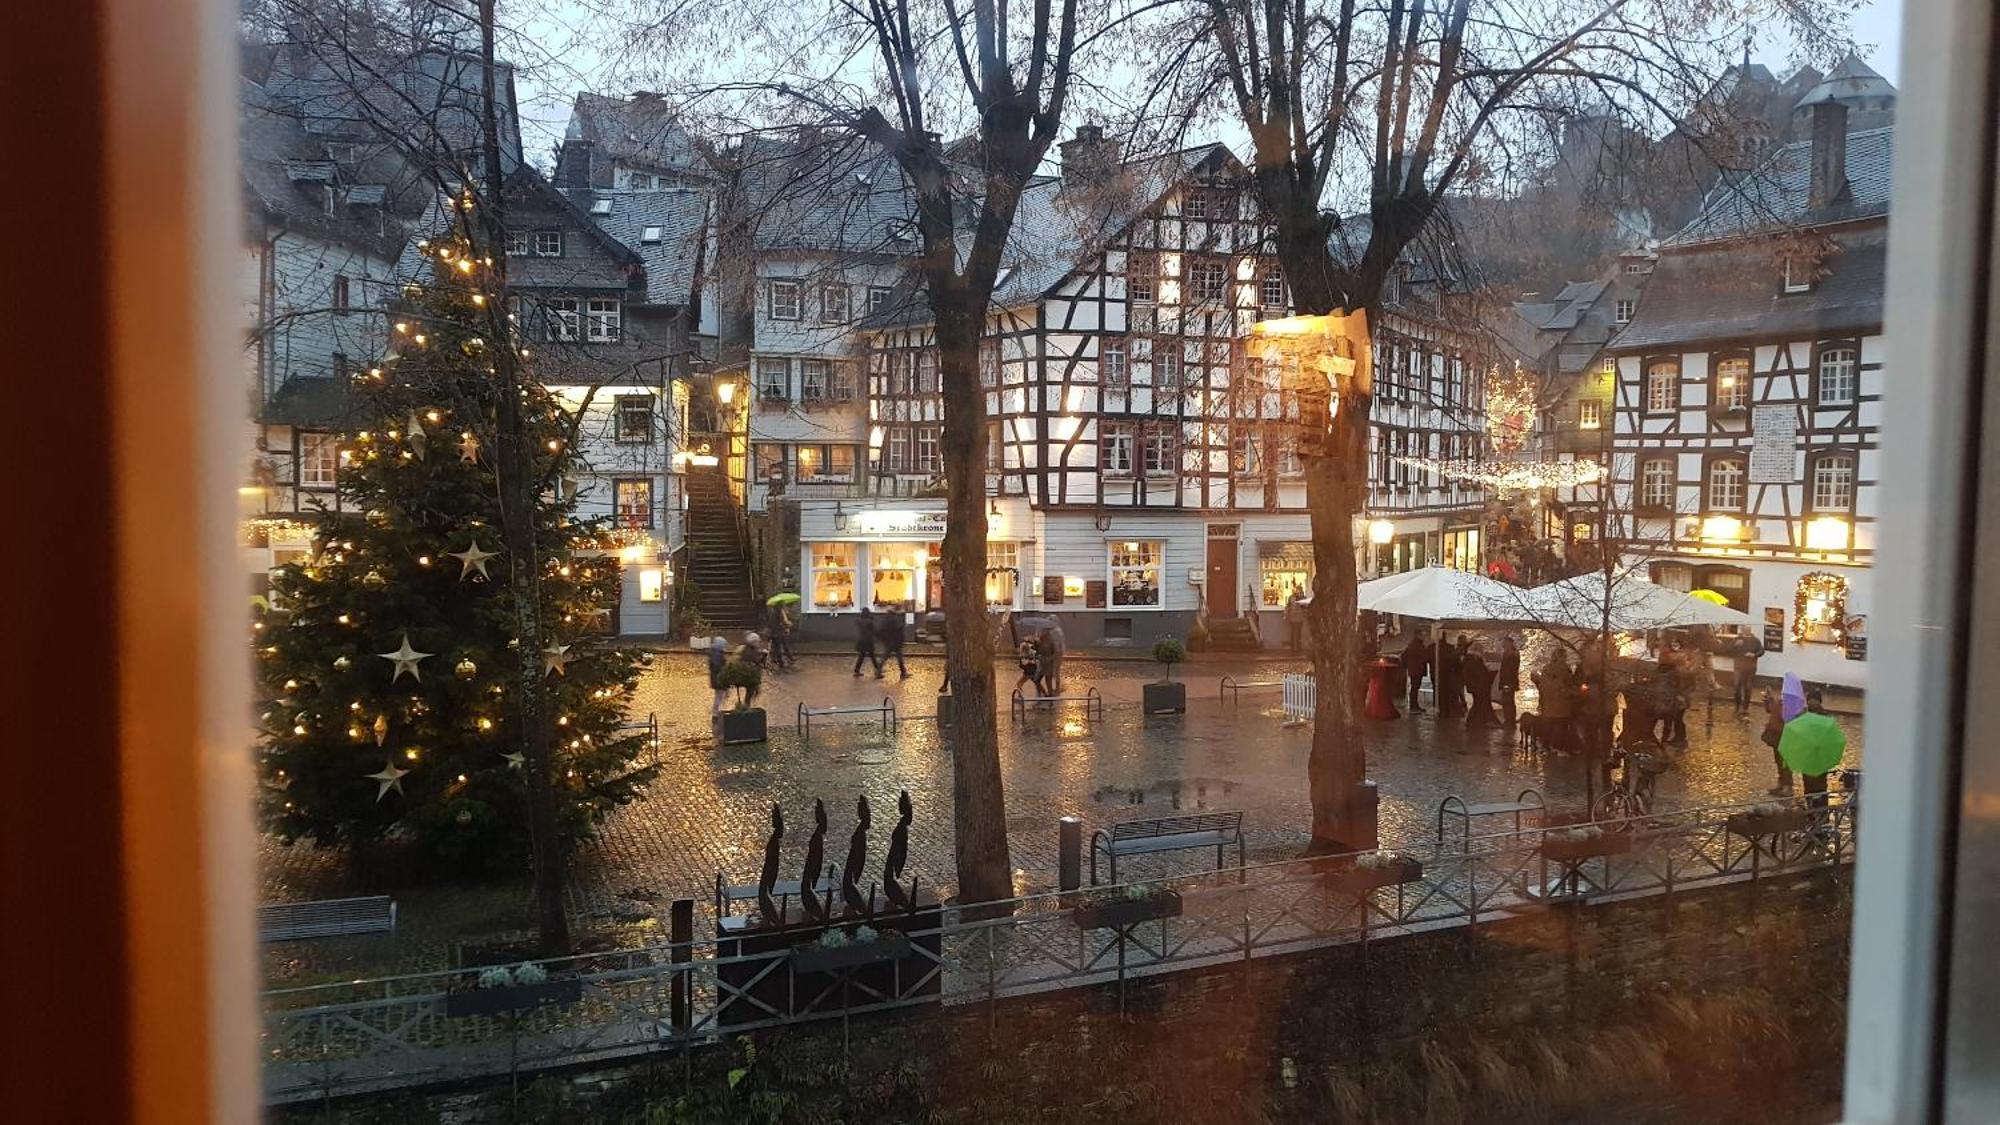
(1812, 743)
(782, 599)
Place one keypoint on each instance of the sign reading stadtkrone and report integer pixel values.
(1774, 439)
(891, 524)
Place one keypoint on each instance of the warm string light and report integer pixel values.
(1511, 476)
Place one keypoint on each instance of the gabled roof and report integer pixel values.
(1775, 196)
(432, 90)
(287, 175)
(825, 192)
(643, 130)
(525, 182)
(1730, 291)
(309, 403)
(679, 218)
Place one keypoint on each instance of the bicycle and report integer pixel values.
(1631, 795)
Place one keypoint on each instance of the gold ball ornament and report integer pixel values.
(465, 668)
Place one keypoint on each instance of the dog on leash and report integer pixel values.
(1531, 731)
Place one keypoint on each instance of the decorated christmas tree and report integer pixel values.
(388, 664)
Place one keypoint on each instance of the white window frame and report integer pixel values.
(629, 406)
(651, 235)
(1194, 204)
(563, 320)
(786, 299)
(1589, 414)
(1271, 290)
(1158, 452)
(813, 389)
(851, 568)
(1825, 485)
(927, 374)
(774, 374)
(1797, 275)
(929, 450)
(1736, 396)
(1005, 554)
(1849, 370)
(835, 303)
(900, 440)
(1624, 309)
(548, 244)
(622, 512)
(342, 298)
(1663, 386)
(1208, 281)
(1113, 568)
(1727, 488)
(1167, 364)
(1658, 490)
(1115, 449)
(878, 298)
(604, 320)
(319, 460)
(1114, 362)
(520, 243)
(1141, 278)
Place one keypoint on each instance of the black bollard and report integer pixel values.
(1069, 853)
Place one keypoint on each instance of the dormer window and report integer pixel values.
(650, 236)
(1623, 310)
(600, 206)
(519, 244)
(1798, 275)
(548, 244)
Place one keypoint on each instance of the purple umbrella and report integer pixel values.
(1792, 701)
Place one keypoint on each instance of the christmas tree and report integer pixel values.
(388, 666)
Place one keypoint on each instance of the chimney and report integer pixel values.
(1829, 154)
(1090, 158)
(573, 165)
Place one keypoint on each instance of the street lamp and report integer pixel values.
(725, 391)
(1381, 532)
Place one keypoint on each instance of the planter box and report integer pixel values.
(1165, 699)
(1121, 913)
(887, 946)
(513, 998)
(1355, 879)
(1752, 824)
(742, 726)
(1570, 851)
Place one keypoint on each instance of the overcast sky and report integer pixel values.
(568, 45)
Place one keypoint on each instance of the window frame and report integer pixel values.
(603, 320)
(307, 452)
(1163, 441)
(1590, 414)
(1716, 363)
(1116, 436)
(342, 296)
(1271, 289)
(796, 303)
(1646, 371)
(625, 407)
(547, 238)
(1208, 281)
(1642, 484)
(782, 367)
(851, 567)
(807, 368)
(1822, 349)
(1114, 362)
(1113, 569)
(1814, 463)
(1194, 205)
(562, 320)
(520, 243)
(619, 511)
(826, 306)
(1711, 466)
(1623, 309)
(927, 450)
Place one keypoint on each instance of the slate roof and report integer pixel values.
(361, 100)
(826, 193)
(643, 129)
(1851, 81)
(1774, 196)
(286, 174)
(309, 403)
(1729, 291)
(686, 235)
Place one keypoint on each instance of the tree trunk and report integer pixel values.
(514, 465)
(985, 872)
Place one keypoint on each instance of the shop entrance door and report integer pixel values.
(1222, 570)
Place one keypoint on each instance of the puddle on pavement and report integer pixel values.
(1193, 794)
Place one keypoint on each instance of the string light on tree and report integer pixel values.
(1511, 476)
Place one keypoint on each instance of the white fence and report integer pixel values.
(1299, 696)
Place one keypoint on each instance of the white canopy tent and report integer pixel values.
(1627, 605)
(1439, 593)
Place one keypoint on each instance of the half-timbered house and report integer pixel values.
(1749, 394)
(1140, 463)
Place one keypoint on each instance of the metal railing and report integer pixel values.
(386, 1033)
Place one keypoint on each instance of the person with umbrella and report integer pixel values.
(1813, 744)
(778, 624)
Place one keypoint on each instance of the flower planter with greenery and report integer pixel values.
(742, 723)
(502, 991)
(837, 950)
(1166, 697)
(1128, 906)
(1583, 841)
(1371, 871)
(1770, 819)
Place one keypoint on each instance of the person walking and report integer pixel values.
(1450, 694)
(1558, 702)
(1416, 661)
(864, 642)
(718, 657)
(1479, 689)
(889, 631)
(1743, 667)
(1031, 666)
(778, 624)
(1509, 680)
(1295, 622)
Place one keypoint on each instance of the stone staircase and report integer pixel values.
(1231, 634)
(717, 562)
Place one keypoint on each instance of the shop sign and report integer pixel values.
(888, 524)
(1857, 637)
(1774, 628)
(1094, 593)
(1052, 589)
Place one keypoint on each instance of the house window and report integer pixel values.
(774, 380)
(565, 318)
(1725, 485)
(1271, 291)
(1003, 572)
(1732, 384)
(635, 418)
(1288, 457)
(1116, 448)
(784, 300)
(606, 322)
(1243, 460)
(1194, 205)
(639, 181)
(1798, 274)
(841, 382)
(1139, 279)
(319, 460)
(813, 379)
(839, 464)
(1116, 371)
(989, 364)
(1837, 376)
(519, 244)
(633, 500)
(1157, 455)
(341, 303)
(1623, 310)
(833, 304)
(927, 373)
(930, 451)
(1589, 414)
(1832, 483)
(549, 243)
(1656, 483)
(899, 450)
(878, 298)
(1208, 277)
(1167, 364)
(1135, 572)
(650, 236)
(811, 462)
(832, 575)
(1663, 386)
(770, 460)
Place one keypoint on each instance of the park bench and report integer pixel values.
(335, 917)
(1528, 801)
(784, 891)
(1168, 834)
(886, 709)
(1093, 703)
(1231, 684)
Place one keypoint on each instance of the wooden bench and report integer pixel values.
(1232, 684)
(886, 709)
(334, 917)
(1168, 834)
(1093, 703)
(1528, 801)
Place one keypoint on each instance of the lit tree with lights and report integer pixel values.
(396, 695)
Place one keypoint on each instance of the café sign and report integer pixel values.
(888, 524)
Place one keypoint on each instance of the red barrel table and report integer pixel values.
(1385, 681)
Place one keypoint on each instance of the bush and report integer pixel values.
(745, 675)
(1169, 652)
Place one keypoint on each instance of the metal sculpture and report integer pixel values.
(767, 880)
(809, 900)
(857, 857)
(899, 853)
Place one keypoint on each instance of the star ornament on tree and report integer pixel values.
(554, 659)
(405, 659)
(516, 760)
(389, 778)
(468, 448)
(473, 559)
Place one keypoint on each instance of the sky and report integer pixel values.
(563, 47)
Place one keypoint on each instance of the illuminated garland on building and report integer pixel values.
(1510, 409)
(258, 531)
(1820, 601)
(1511, 476)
